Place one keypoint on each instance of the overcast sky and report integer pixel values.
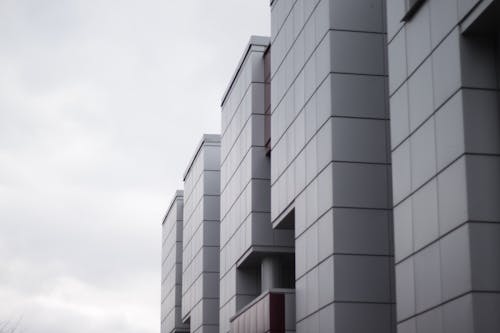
(102, 103)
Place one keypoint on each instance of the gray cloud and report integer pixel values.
(101, 106)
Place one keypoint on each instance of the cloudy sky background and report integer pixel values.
(101, 105)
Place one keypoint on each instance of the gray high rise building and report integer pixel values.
(171, 268)
(359, 175)
(330, 169)
(443, 66)
(200, 256)
(255, 258)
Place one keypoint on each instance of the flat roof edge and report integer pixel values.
(178, 194)
(205, 139)
(262, 41)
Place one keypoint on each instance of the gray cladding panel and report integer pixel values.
(330, 159)
(171, 266)
(201, 236)
(445, 137)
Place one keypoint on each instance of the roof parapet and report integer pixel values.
(178, 195)
(254, 42)
(206, 139)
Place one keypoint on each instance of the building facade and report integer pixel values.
(171, 268)
(443, 66)
(359, 175)
(330, 164)
(200, 235)
(255, 258)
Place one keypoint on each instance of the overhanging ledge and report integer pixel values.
(254, 43)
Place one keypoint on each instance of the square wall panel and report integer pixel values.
(444, 16)
(211, 285)
(309, 324)
(311, 203)
(425, 215)
(418, 37)
(457, 315)
(325, 235)
(403, 230)
(211, 233)
(423, 154)
(400, 122)
(361, 231)
(430, 321)
(361, 278)
(477, 56)
(452, 196)
(211, 157)
(358, 95)
(322, 61)
(357, 52)
(359, 140)
(450, 140)
(324, 100)
(326, 282)
(360, 185)
(300, 255)
(312, 291)
(300, 213)
(398, 71)
(360, 15)
(261, 164)
(311, 160)
(327, 319)
(300, 172)
(446, 59)
(456, 271)
(300, 294)
(420, 89)
(405, 289)
(361, 318)
(211, 207)
(485, 251)
(310, 77)
(395, 12)
(325, 190)
(408, 326)
(483, 185)
(210, 259)
(261, 195)
(401, 172)
(481, 121)
(486, 318)
(324, 144)
(311, 235)
(428, 278)
(262, 232)
(321, 19)
(211, 311)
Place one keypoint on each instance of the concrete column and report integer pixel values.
(270, 273)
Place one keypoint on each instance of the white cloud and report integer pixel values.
(101, 106)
